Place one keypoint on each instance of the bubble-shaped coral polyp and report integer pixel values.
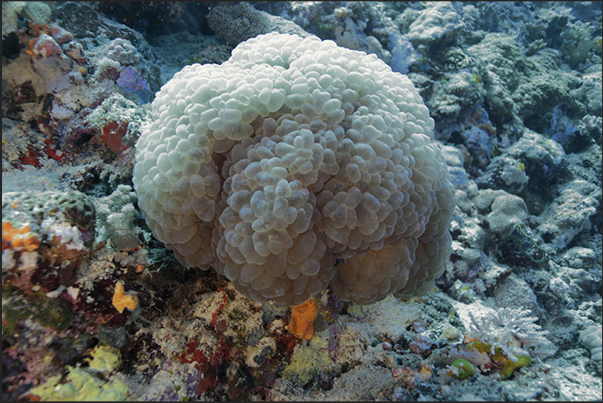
(291, 155)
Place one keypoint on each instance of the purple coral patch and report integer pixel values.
(132, 80)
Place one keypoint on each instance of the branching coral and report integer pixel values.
(292, 154)
(503, 340)
(514, 332)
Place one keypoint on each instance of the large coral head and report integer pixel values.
(290, 155)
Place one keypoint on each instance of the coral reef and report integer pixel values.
(235, 23)
(591, 337)
(45, 235)
(115, 219)
(95, 307)
(10, 14)
(435, 22)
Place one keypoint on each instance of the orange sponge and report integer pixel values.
(302, 319)
(121, 300)
(21, 238)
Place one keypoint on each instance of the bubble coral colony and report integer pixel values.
(296, 165)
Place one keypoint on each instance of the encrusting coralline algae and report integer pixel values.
(95, 306)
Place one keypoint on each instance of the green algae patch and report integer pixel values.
(49, 312)
(502, 360)
(461, 369)
(509, 366)
(308, 361)
(82, 384)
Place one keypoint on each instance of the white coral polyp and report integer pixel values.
(292, 156)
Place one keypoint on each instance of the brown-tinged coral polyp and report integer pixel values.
(289, 157)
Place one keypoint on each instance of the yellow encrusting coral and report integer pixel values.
(82, 384)
(105, 358)
(307, 361)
